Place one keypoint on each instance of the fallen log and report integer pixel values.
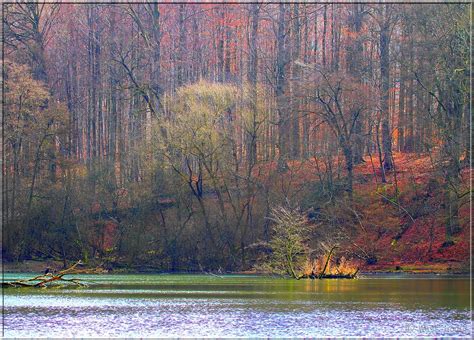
(330, 276)
(48, 278)
(337, 276)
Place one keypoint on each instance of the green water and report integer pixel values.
(236, 305)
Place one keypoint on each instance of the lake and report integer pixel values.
(240, 305)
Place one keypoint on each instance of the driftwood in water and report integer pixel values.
(340, 276)
(330, 276)
(47, 278)
(337, 275)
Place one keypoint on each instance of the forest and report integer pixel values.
(235, 137)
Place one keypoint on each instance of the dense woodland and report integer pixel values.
(164, 136)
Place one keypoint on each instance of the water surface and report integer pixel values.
(233, 305)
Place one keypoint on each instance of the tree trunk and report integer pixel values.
(349, 158)
(220, 46)
(282, 109)
(252, 79)
(354, 55)
(295, 121)
(181, 45)
(325, 22)
(385, 75)
(401, 108)
(156, 59)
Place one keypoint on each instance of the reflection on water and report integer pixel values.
(186, 305)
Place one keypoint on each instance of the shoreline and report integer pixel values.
(447, 268)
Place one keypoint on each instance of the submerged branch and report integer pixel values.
(48, 278)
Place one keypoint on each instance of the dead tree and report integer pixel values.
(42, 281)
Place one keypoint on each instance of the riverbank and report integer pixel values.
(36, 266)
(420, 268)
